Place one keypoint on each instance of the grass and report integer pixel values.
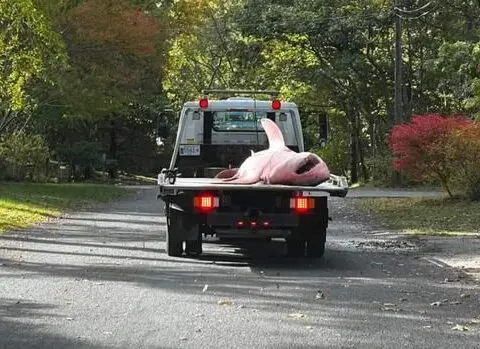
(24, 204)
(426, 216)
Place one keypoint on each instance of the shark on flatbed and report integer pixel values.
(278, 164)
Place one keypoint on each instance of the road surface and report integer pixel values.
(101, 279)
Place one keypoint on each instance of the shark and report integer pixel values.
(277, 164)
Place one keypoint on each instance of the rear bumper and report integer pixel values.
(275, 221)
(279, 225)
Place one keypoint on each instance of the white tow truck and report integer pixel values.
(214, 135)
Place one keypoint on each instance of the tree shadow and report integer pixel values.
(23, 325)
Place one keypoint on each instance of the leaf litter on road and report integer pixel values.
(297, 315)
(320, 295)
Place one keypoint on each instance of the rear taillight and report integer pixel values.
(205, 203)
(302, 204)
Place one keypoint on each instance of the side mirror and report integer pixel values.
(323, 129)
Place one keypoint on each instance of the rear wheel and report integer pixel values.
(316, 245)
(173, 245)
(295, 247)
(194, 247)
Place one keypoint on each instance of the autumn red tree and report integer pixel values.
(424, 148)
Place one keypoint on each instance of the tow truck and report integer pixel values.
(218, 134)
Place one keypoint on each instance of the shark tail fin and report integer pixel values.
(274, 134)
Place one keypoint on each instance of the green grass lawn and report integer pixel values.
(23, 204)
(430, 216)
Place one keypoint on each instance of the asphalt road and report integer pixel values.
(102, 280)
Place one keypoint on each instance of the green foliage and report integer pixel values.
(82, 155)
(29, 50)
(23, 155)
(336, 152)
(465, 152)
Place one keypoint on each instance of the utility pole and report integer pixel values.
(398, 114)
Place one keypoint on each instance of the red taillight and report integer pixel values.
(205, 202)
(203, 103)
(302, 204)
(266, 224)
(276, 104)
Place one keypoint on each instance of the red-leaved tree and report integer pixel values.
(423, 148)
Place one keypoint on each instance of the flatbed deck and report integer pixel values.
(334, 187)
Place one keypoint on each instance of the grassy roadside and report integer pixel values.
(23, 204)
(426, 216)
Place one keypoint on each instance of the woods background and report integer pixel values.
(83, 81)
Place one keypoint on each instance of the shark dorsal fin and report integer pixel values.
(274, 134)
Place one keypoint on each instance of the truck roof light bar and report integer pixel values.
(272, 93)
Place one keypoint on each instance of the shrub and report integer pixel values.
(466, 154)
(23, 156)
(424, 148)
(83, 156)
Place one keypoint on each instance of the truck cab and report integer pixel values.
(215, 135)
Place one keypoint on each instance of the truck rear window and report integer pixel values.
(228, 121)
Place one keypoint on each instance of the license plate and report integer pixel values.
(189, 150)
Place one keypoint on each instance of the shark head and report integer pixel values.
(300, 169)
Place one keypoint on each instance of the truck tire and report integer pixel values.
(194, 247)
(173, 245)
(316, 245)
(295, 247)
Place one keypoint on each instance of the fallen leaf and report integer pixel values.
(458, 327)
(205, 288)
(297, 315)
(436, 304)
(455, 302)
(183, 338)
(389, 307)
(427, 326)
(69, 319)
(224, 302)
(449, 323)
(320, 295)
(464, 295)
(474, 322)
(241, 306)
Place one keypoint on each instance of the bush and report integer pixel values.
(23, 156)
(466, 153)
(424, 148)
(83, 156)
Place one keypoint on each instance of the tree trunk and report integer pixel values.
(353, 147)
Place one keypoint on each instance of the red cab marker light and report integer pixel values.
(276, 104)
(203, 103)
(240, 223)
(253, 224)
(266, 224)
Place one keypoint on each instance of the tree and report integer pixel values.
(30, 51)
